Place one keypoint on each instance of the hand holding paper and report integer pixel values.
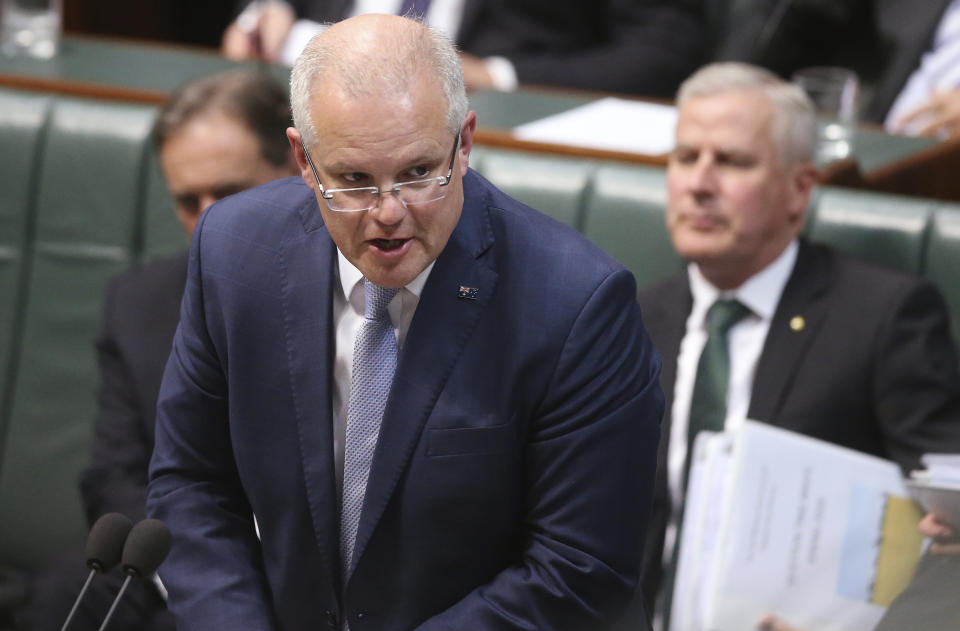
(937, 489)
(802, 532)
(945, 538)
(773, 623)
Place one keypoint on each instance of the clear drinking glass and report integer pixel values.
(30, 27)
(834, 92)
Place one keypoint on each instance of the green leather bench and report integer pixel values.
(22, 118)
(621, 208)
(83, 199)
(82, 211)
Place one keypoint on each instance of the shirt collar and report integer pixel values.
(350, 277)
(760, 293)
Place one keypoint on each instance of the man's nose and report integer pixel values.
(703, 175)
(390, 209)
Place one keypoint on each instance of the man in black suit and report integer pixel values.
(883, 40)
(215, 136)
(635, 46)
(826, 345)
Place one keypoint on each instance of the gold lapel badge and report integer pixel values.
(797, 323)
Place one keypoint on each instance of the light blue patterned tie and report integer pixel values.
(374, 362)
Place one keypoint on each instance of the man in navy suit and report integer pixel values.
(512, 474)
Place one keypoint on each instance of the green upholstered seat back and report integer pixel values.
(886, 230)
(942, 262)
(84, 198)
(625, 217)
(553, 185)
(477, 156)
(88, 211)
(23, 119)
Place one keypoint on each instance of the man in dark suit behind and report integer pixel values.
(885, 41)
(634, 46)
(487, 465)
(215, 136)
(826, 345)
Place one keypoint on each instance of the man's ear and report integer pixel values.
(803, 178)
(466, 140)
(296, 148)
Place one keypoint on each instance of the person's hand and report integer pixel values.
(239, 44)
(475, 73)
(259, 33)
(772, 623)
(939, 117)
(945, 539)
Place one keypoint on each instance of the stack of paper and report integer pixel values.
(611, 124)
(937, 487)
(779, 523)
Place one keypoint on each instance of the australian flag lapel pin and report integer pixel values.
(468, 293)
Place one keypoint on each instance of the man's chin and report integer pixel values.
(392, 276)
(701, 249)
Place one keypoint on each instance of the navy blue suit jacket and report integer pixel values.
(512, 482)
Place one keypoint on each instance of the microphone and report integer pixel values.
(145, 549)
(104, 550)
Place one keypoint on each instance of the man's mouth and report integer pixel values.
(704, 221)
(388, 245)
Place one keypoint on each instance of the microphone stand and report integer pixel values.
(76, 603)
(116, 601)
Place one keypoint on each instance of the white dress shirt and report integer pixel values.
(761, 294)
(349, 302)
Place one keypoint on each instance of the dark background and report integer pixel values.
(195, 22)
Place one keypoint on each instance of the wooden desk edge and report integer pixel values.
(485, 136)
(83, 89)
(506, 140)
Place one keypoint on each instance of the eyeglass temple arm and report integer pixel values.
(313, 169)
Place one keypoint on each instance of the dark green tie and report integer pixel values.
(708, 406)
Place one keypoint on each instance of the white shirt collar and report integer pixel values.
(760, 293)
(350, 277)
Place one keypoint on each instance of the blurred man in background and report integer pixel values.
(767, 326)
(907, 53)
(216, 136)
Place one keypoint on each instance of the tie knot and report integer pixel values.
(377, 298)
(723, 314)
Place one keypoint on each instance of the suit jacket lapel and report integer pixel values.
(671, 325)
(441, 326)
(308, 279)
(796, 321)
(665, 311)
